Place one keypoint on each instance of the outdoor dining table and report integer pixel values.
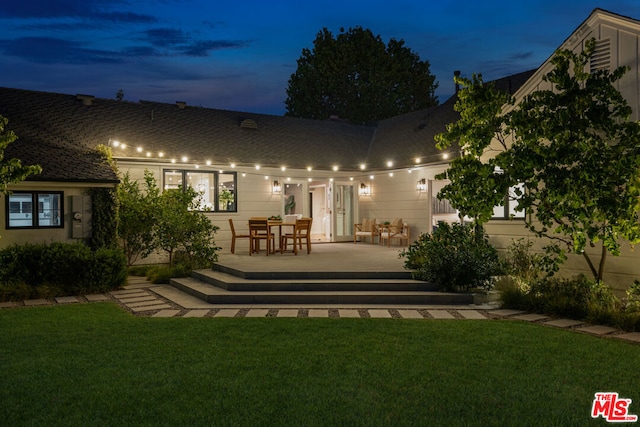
(276, 223)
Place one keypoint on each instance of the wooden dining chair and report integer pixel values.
(259, 230)
(235, 236)
(301, 231)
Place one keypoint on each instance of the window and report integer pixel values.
(35, 210)
(508, 210)
(217, 189)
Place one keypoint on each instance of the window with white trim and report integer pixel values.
(508, 209)
(35, 209)
(217, 189)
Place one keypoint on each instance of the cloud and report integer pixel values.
(165, 37)
(48, 50)
(202, 47)
(54, 9)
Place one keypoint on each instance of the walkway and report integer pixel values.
(142, 298)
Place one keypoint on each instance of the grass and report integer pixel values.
(94, 364)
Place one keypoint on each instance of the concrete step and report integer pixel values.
(235, 283)
(216, 295)
(326, 274)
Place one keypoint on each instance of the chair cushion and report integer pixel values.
(397, 224)
(367, 224)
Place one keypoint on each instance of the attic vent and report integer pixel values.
(181, 104)
(86, 99)
(249, 124)
(601, 58)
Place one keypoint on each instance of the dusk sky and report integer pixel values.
(239, 55)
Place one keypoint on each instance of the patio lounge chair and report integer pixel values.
(396, 230)
(367, 229)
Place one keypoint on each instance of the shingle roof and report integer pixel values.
(57, 130)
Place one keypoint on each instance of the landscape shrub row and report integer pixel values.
(59, 269)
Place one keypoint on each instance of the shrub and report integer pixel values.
(49, 270)
(164, 273)
(457, 257)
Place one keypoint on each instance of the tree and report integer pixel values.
(137, 209)
(11, 170)
(180, 227)
(570, 154)
(358, 78)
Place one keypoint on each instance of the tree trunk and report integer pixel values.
(591, 267)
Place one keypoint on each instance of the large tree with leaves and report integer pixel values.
(571, 150)
(359, 78)
(12, 171)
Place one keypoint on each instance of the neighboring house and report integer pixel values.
(248, 164)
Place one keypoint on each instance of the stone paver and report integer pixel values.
(67, 300)
(410, 314)
(597, 329)
(9, 304)
(166, 313)
(196, 313)
(506, 312)
(97, 297)
(563, 323)
(379, 313)
(348, 313)
(318, 313)
(632, 336)
(440, 314)
(472, 315)
(150, 307)
(288, 312)
(257, 312)
(36, 302)
(227, 312)
(137, 299)
(144, 303)
(119, 294)
(532, 317)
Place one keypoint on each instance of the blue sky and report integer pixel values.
(239, 55)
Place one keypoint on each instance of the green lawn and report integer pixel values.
(94, 364)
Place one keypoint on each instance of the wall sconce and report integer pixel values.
(365, 190)
(277, 188)
(421, 186)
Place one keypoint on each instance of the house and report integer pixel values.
(248, 164)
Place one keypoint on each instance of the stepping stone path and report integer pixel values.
(138, 298)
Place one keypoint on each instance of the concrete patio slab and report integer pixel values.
(472, 315)
(563, 323)
(196, 313)
(166, 313)
(288, 313)
(318, 313)
(97, 297)
(227, 312)
(348, 313)
(632, 336)
(257, 312)
(150, 307)
(379, 314)
(506, 312)
(410, 314)
(440, 314)
(36, 302)
(597, 329)
(532, 317)
(67, 300)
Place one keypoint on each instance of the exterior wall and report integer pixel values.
(624, 34)
(397, 197)
(43, 235)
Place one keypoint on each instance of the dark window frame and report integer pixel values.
(216, 177)
(35, 210)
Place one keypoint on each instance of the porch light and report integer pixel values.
(365, 190)
(277, 188)
(421, 186)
